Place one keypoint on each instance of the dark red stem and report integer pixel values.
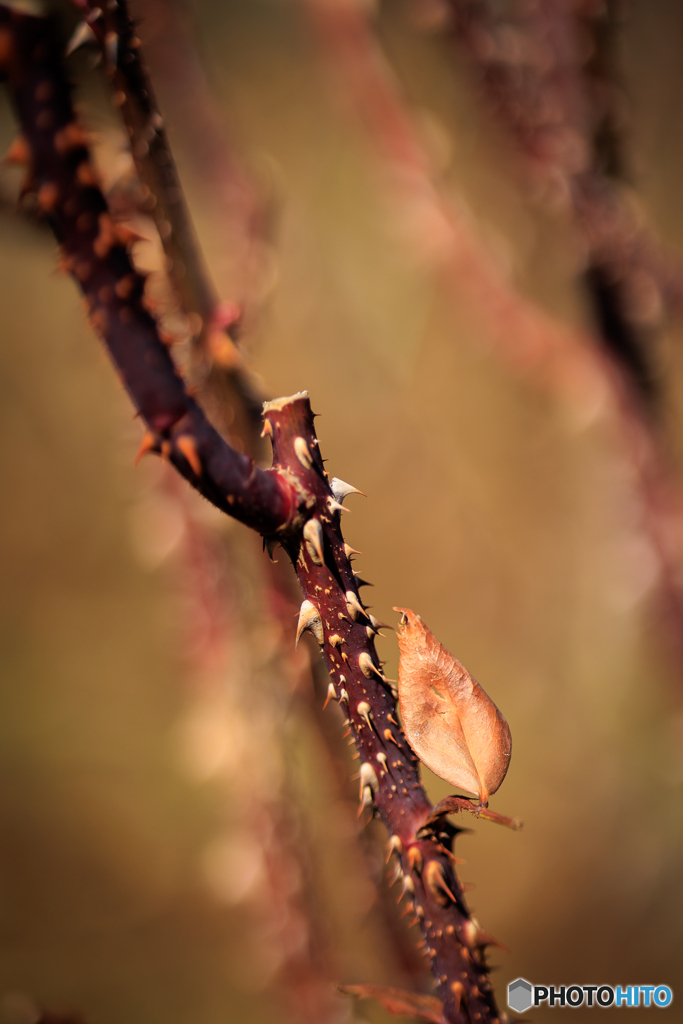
(95, 251)
(390, 777)
(294, 503)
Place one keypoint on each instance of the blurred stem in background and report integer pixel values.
(558, 101)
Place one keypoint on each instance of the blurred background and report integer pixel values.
(177, 822)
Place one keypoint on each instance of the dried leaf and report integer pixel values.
(451, 723)
(395, 1000)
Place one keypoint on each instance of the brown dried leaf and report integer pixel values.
(451, 723)
(395, 1000)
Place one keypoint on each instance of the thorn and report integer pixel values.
(360, 582)
(313, 535)
(408, 884)
(334, 506)
(396, 875)
(348, 551)
(267, 429)
(269, 545)
(415, 858)
(377, 624)
(302, 452)
(186, 444)
(382, 758)
(335, 640)
(149, 444)
(435, 880)
(366, 800)
(331, 694)
(83, 34)
(354, 606)
(476, 937)
(343, 697)
(389, 736)
(368, 667)
(309, 618)
(368, 777)
(340, 489)
(395, 844)
(364, 711)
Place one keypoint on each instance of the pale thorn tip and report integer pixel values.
(475, 936)
(149, 444)
(313, 535)
(395, 844)
(408, 884)
(267, 429)
(331, 694)
(368, 777)
(83, 34)
(348, 551)
(344, 697)
(363, 709)
(353, 604)
(334, 506)
(367, 666)
(382, 758)
(366, 800)
(340, 489)
(302, 452)
(186, 444)
(435, 880)
(309, 618)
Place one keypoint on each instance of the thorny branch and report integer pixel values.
(294, 503)
(114, 30)
(95, 250)
(226, 385)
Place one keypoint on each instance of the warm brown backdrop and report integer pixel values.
(498, 513)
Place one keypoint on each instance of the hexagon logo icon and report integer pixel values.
(520, 996)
